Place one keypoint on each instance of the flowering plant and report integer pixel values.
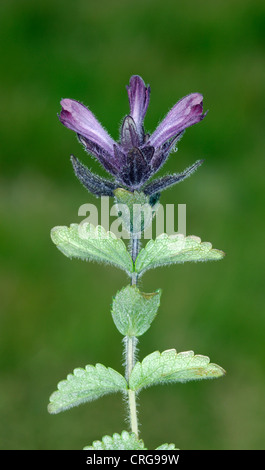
(131, 163)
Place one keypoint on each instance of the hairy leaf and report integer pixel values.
(170, 366)
(170, 249)
(87, 242)
(134, 311)
(167, 447)
(86, 385)
(123, 441)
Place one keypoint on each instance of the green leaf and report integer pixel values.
(92, 243)
(134, 311)
(168, 366)
(123, 441)
(169, 249)
(86, 385)
(167, 447)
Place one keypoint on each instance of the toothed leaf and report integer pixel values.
(123, 441)
(85, 385)
(134, 311)
(170, 249)
(87, 242)
(167, 447)
(170, 366)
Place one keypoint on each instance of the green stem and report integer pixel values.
(135, 248)
(130, 345)
(130, 342)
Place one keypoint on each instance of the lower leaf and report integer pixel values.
(85, 385)
(170, 366)
(167, 447)
(123, 441)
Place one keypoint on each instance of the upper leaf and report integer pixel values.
(133, 311)
(169, 249)
(92, 243)
(169, 366)
(85, 385)
(123, 441)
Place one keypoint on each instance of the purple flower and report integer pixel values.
(137, 156)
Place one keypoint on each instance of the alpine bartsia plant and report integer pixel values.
(131, 163)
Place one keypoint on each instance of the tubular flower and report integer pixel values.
(137, 156)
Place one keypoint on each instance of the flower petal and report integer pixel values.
(185, 113)
(80, 119)
(111, 163)
(139, 96)
(161, 153)
(136, 171)
(129, 134)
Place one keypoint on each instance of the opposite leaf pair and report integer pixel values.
(94, 243)
(93, 382)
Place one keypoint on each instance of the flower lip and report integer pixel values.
(81, 120)
(185, 113)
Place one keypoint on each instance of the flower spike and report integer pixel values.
(137, 156)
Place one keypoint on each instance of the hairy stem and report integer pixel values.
(130, 347)
(134, 247)
(130, 342)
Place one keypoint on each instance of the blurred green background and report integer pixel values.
(55, 313)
